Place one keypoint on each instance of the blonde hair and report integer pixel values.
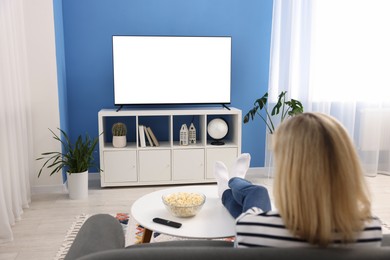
(319, 187)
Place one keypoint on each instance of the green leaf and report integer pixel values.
(279, 103)
(282, 107)
(76, 157)
(261, 102)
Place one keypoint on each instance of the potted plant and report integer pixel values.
(76, 159)
(119, 132)
(286, 108)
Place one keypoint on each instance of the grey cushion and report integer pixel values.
(100, 232)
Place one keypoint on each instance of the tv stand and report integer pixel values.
(225, 106)
(169, 163)
(120, 107)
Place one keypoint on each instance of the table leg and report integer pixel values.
(146, 236)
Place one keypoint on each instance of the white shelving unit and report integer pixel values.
(169, 163)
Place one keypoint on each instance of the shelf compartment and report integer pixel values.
(232, 136)
(109, 121)
(179, 120)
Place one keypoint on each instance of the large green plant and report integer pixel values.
(75, 158)
(287, 108)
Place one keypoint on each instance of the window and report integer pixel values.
(350, 55)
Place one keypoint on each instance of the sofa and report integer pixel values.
(101, 237)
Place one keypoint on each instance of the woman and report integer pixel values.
(319, 191)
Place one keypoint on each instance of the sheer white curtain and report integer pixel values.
(15, 121)
(334, 56)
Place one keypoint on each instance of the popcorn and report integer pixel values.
(184, 204)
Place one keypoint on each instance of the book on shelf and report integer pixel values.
(152, 136)
(148, 136)
(141, 130)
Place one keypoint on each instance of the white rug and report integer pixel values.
(70, 236)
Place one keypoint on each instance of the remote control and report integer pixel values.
(167, 222)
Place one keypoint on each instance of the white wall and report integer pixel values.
(39, 24)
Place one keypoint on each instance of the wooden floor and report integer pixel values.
(42, 229)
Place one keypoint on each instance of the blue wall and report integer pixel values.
(89, 25)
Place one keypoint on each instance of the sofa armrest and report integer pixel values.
(99, 233)
(386, 240)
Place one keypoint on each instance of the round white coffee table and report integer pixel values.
(212, 221)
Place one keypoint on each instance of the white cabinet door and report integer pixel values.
(120, 166)
(155, 165)
(226, 155)
(188, 164)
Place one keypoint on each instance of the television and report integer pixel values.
(171, 70)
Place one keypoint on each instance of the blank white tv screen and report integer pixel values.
(171, 70)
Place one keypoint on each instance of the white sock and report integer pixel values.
(241, 166)
(221, 174)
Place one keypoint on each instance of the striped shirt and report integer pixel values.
(256, 228)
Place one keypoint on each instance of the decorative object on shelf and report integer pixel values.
(217, 129)
(192, 134)
(119, 131)
(76, 158)
(184, 135)
(286, 107)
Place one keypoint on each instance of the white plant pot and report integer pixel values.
(119, 141)
(78, 185)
